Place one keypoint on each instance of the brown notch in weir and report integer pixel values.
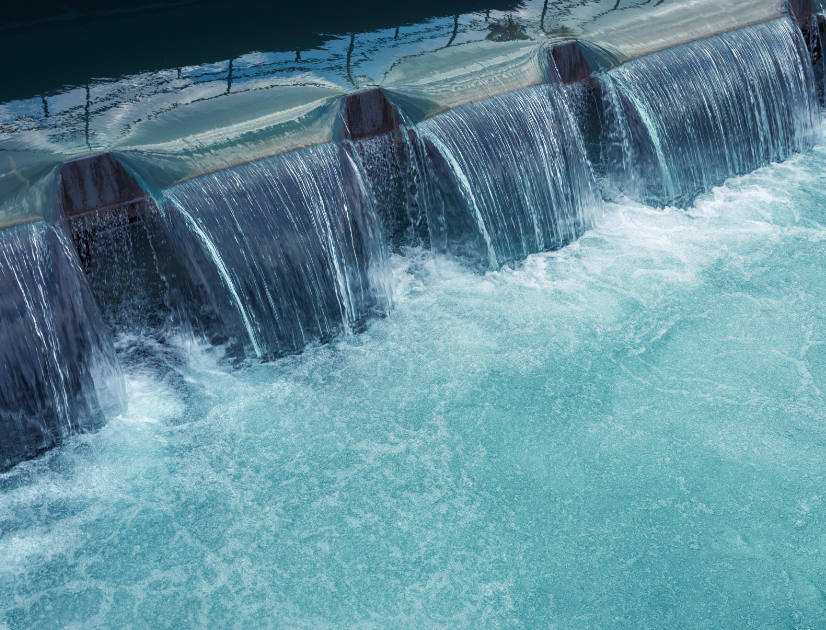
(367, 114)
(98, 183)
(96, 194)
(570, 62)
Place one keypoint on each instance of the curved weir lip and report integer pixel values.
(602, 59)
(19, 222)
(367, 113)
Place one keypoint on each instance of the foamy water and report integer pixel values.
(628, 432)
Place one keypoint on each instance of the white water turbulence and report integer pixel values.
(513, 175)
(290, 247)
(59, 374)
(688, 118)
(626, 432)
(626, 429)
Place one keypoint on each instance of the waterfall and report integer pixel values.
(395, 175)
(127, 267)
(513, 175)
(291, 246)
(59, 374)
(814, 34)
(272, 255)
(690, 117)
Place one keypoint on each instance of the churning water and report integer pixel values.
(626, 432)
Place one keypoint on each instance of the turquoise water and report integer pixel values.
(628, 432)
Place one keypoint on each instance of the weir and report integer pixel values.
(273, 229)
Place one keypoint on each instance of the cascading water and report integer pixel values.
(275, 254)
(626, 432)
(814, 34)
(514, 177)
(688, 118)
(394, 172)
(146, 283)
(59, 374)
(291, 247)
(121, 260)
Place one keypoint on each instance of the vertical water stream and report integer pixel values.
(293, 243)
(59, 374)
(690, 117)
